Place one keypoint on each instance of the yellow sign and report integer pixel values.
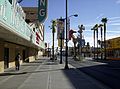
(59, 43)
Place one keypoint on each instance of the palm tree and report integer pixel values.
(95, 28)
(104, 21)
(94, 40)
(101, 30)
(19, 1)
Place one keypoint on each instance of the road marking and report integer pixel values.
(49, 79)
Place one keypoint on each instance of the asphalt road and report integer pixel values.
(107, 72)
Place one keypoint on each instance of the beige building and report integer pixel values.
(17, 36)
(32, 20)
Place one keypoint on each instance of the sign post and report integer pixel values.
(42, 10)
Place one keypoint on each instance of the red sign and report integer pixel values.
(37, 38)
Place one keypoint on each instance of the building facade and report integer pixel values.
(113, 48)
(17, 35)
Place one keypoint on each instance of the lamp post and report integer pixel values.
(60, 28)
(66, 52)
(81, 28)
(60, 47)
(104, 21)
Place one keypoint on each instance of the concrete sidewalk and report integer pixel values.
(45, 74)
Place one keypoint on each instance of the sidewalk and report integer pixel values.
(45, 74)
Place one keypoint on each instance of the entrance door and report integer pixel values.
(6, 58)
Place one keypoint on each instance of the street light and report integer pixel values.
(81, 28)
(66, 58)
(60, 28)
(75, 15)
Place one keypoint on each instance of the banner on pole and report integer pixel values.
(42, 10)
(59, 43)
(60, 29)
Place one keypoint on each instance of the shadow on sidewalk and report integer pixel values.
(78, 81)
(30, 64)
(8, 74)
(29, 72)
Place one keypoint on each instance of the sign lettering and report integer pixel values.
(42, 10)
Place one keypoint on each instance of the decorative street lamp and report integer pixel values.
(60, 47)
(66, 52)
(60, 34)
(81, 28)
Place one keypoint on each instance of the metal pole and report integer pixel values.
(53, 47)
(81, 28)
(48, 49)
(80, 43)
(66, 58)
(61, 49)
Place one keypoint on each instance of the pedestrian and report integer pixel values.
(17, 61)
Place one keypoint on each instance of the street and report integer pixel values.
(107, 72)
(46, 74)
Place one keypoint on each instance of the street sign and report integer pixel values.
(42, 10)
(81, 42)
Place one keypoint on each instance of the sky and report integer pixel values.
(90, 12)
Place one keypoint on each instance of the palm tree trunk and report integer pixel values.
(101, 42)
(105, 39)
(97, 41)
(94, 43)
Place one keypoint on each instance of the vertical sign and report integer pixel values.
(42, 10)
(60, 31)
(68, 28)
(60, 28)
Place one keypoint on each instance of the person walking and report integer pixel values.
(17, 61)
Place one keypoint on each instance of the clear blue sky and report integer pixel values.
(90, 12)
